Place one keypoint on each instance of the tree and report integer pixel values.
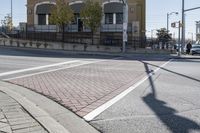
(61, 15)
(7, 23)
(163, 36)
(91, 15)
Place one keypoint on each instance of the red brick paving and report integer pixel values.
(84, 88)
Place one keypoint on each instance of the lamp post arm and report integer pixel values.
(191, 9)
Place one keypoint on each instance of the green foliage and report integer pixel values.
(91, 14)
(7, 22)
(61, 14)
(163, 36)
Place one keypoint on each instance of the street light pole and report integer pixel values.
(168, 14)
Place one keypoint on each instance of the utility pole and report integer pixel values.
(11, 13)
(183, 23)
(125, 25)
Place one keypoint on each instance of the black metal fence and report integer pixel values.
(50, 33)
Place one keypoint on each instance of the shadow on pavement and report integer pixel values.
(188, 77)
(168, 116)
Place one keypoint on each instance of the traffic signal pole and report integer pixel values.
(183, 23)
(183, 19)
(180, 25)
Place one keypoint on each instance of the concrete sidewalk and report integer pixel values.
(15, 119)
(22, 110)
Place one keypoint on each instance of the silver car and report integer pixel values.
(195, 49)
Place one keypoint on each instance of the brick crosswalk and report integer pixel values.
(84, 88)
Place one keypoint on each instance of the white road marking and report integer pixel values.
(53, 70)
(36, 68)
(90, 116)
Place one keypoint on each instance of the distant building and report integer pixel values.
(198, 30)
(22, 26)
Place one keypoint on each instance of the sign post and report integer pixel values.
(125, 25)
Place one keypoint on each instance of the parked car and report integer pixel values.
(195, 49)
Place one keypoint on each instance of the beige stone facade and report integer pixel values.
(136, 12)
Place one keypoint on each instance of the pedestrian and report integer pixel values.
(189, 46)
(175, 47)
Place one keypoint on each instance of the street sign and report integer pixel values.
(176, 25)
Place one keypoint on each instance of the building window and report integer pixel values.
(76, 17)
(119, 18)
(108, 18)
(41, 19)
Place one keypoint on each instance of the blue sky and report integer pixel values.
(19, 10)
(156, 13)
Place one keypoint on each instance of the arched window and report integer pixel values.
(113, 13)
(43, 12)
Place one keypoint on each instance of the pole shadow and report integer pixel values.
(167, 115)
(185, 76)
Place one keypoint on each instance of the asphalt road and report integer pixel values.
(14, 59)
(168, 102)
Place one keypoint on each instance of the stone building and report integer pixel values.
(38, 12)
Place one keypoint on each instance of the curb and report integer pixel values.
(185, 57)
(52, 116)
(67, 52)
